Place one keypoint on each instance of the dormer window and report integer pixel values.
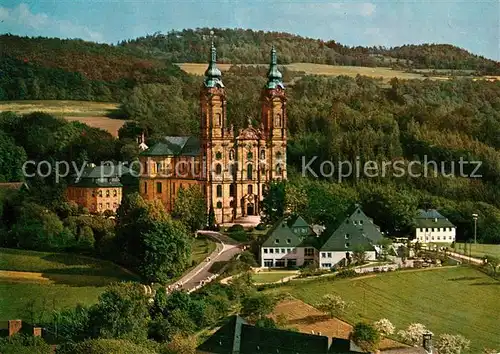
(276, 241)
(346, 236)
(288, 241)
(347, 244)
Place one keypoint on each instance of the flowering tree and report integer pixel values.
(451, 344)
(333, 305)
(413, 335)
(385, 327)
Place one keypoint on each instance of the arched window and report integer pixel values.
(249, 155)
(262, 154)
(100, 193)
(233, 167)
(249, 171)
(278, 168)
(263, 169)
(107, 193)
(231, 154)
(278, 155)
(219, 191)
(218, 119)
(218, 169)
(115, 193)
(219, 205)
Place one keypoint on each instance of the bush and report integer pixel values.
(366, 337)
(236, 227)
(240, 236)
(260, 227)
(346, 273)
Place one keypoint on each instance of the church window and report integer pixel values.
(249, 171)
(115, 193)
(231, 190)
(231, 154)
(263, 169)
(262, 154)
(219, 205)
(100, 193)
(218, 155)
(219, 191)
(218, 119)
(158, 187)
(145, 187)
(250, 189)
(250, 155)
(218, 169)
(232, 169)
(278, 168)
(278, 155)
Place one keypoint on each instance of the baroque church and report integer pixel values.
(232, 168)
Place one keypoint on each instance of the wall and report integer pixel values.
(432, 236)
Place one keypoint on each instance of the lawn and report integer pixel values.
(39, 282)
(202, 247)
(457, 300)
(93, 114)
(271, 276)
(479, 250)
(35, 302)
(60, 263)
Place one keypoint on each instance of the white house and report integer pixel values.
(290, 242)
(356, 232)
(432, 227)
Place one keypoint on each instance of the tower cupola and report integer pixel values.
(274, 76)
(213, 76)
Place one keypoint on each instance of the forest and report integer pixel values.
(333, 118)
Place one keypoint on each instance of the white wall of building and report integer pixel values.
(439, 235)
(328, 259)
(283, 256)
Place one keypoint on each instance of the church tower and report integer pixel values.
(216, 138)
(274, 120)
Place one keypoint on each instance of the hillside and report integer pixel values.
(247, 46)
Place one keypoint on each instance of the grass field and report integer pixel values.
(457, 300)
(271, 277)
(201, 248)
(479, 250)
(32, 284)
(321, 69)
(93, 114)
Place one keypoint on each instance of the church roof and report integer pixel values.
(213, 76)
(175, 146)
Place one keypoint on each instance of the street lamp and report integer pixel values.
(475, 217)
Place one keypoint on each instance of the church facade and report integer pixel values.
(232, 168)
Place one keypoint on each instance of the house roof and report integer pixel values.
(175, 146)
(431, 218)
(344, 346)
(101, 176)
(410, 350)
(354, 232)
(289, 232)
(13, 185)
(236, 336)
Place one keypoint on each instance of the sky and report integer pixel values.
(470, 24)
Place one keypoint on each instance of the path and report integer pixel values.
(206, 271)
(476, 261)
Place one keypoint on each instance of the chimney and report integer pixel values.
(427, 343)
(37, 331)
(14, 326)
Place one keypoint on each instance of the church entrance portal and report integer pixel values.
(250, 209)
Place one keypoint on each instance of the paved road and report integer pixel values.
(229, 249)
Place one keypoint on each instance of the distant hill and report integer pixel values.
(72, 69)
(247, 46)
